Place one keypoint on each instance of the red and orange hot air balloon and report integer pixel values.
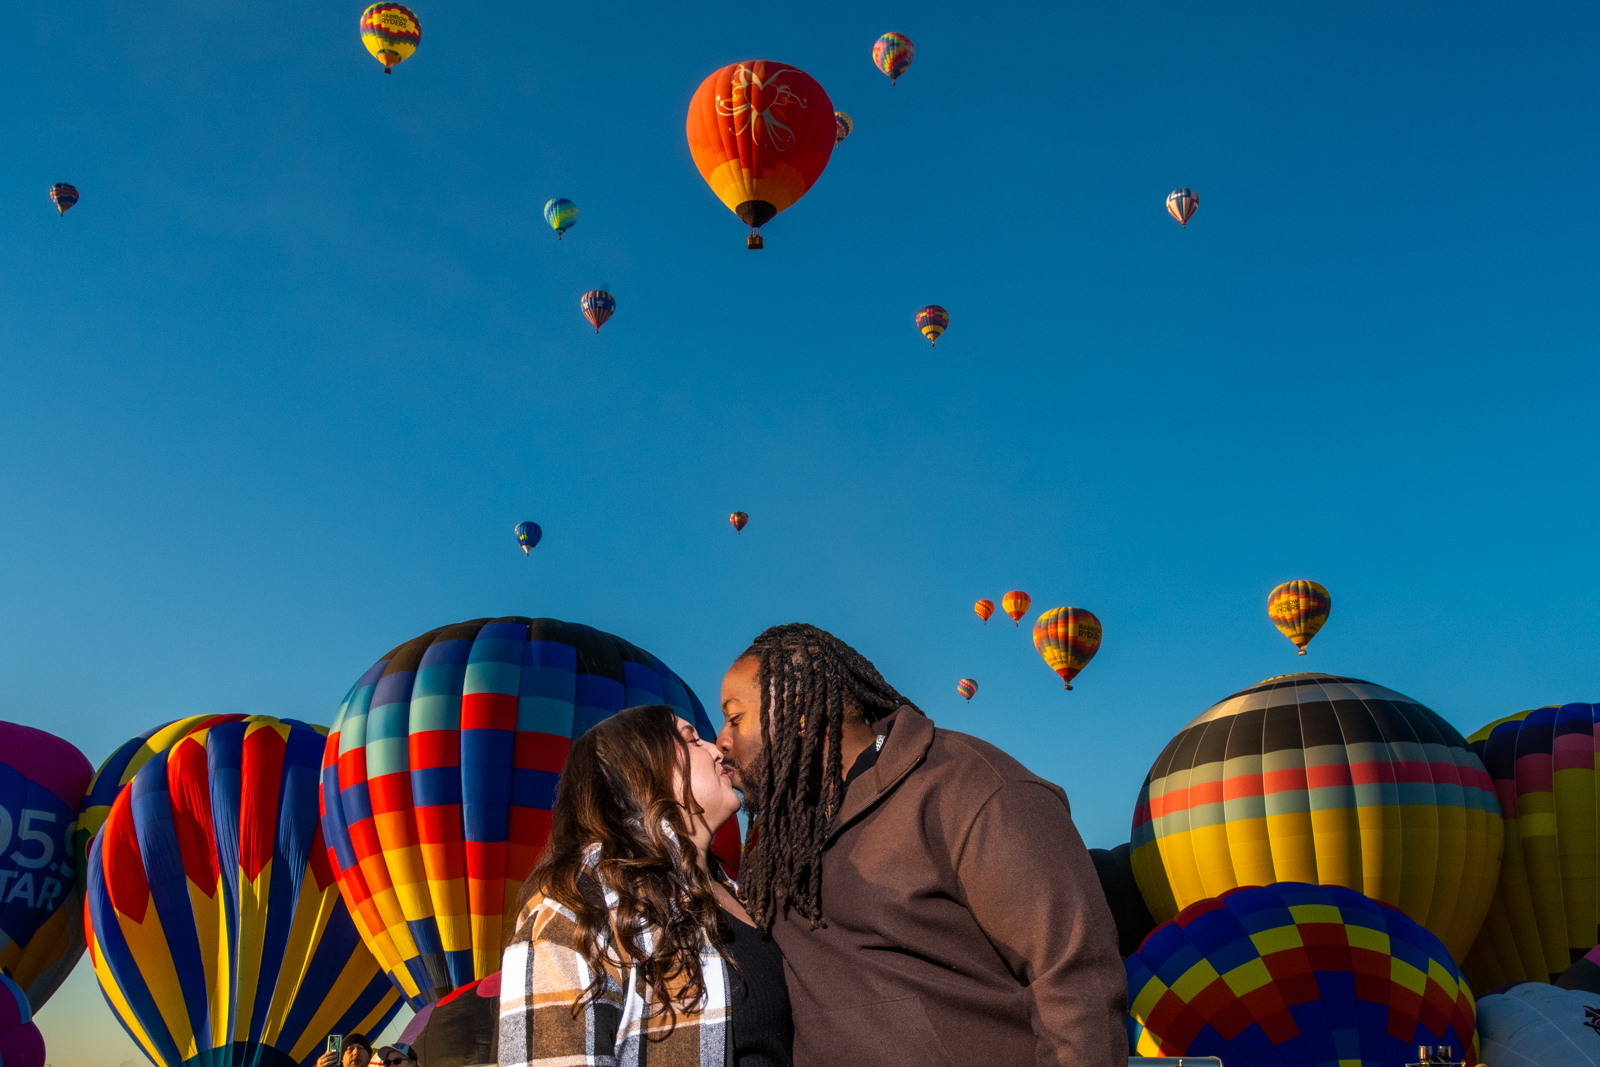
(761, 133)
(1015, 604)
(1067, 638)
(984, 608)
(738, 518)
(968, 688)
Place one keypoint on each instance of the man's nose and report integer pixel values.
(724, 742)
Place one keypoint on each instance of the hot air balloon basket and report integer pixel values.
(754, 241)
(1437, 1056)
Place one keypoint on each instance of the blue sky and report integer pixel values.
(276, 391)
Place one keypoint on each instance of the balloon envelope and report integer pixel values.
(21, 1043)
(561, 214)
(1298, 609)
(1115, 870)
(738, 519)
(218, 935)
(598, 307)
(1015, 604)
(1315, 777)
(1546, 905)
(844, 126)
(761, 133)
(1538, 1025)
(893, 53)
(1181, 205)
(1067, 639)
(391, 33)
(933, 320)
(1295, 974)
(63, 196)
(967, 688)
(984, 608)
(42, 783)
(440, 773)
(529, 535)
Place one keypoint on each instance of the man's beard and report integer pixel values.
(753, 777)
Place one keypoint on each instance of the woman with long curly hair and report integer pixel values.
(630, 944)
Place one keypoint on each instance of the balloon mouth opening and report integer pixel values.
(755, 214)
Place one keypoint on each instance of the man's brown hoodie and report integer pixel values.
(965, 925)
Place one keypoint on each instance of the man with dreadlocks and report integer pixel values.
(932, 898)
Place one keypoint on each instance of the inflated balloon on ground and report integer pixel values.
(21, 1043)
(440, 773)
(1295, 974)
(1134, 922)
(1538, 1025)
(1319, 778)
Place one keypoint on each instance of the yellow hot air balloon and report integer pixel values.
(391, 33)
(1299, 609)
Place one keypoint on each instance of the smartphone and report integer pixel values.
(336, 1044)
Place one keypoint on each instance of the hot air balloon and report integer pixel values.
(440, 773)
(1181, 204)
(1546, 905)
(984, 608)
(1317, 777)
(217, 931)
(1298, 609)
(1115, 870)
(1295, 974)
(1015, 604)
(845, 126)
(738, 518)
(21, 1043)
(42, 782)
(1067, 638)
(893, 53)
(63, 196)
(933, 320)
(967, 688)
(598, 307)
(463, 1027)
(528, 536)
(1538, 1025)
(561, 214)
(391, 33)
(760, 135)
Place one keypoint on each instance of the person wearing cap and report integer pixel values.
(398, 1054)
(357, 1053)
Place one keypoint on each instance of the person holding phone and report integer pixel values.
(347, 1050)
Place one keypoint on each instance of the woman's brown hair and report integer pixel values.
(617, 792)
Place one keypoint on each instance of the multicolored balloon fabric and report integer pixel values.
(440, 773)
(217, 931)
(21, 1043)
(1067, 638)
(1546, 905)
(1015, 604)
(561, 214)
(391, 33)
(933, 320)
(1181, 205)
(529, 534)
(1319, 778)
(739, 520)
(598, 307)
(63, 196)
(1296, 974)
(893, 53)
(984, 608)
(42, 783)
(844, 127)
(1538, 1025)
(967, 688)
(1298, 609)
(761, 133)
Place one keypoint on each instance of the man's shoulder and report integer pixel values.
(977, 761)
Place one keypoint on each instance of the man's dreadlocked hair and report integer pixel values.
(809, 681)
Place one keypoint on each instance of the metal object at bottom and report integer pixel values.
(1174, 1061)
(1437, 1056)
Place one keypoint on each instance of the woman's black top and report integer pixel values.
(763, 1030)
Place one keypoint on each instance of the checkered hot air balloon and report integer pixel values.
(933, 320)
(1181, 205)
(1067, 639)
(217, 932)
(893, 53)
(1318, 777)
(845, 125)
(1294, 973)
(598, 307)
(440, 772)
(391, 33)
(1299, 609)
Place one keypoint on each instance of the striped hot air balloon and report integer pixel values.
(1292, 973)
(844, 126)
(893, 53)
(561, 214)
(1181, 205)
(598, 307)
(1536, 1025)
(63, 196)
(738, 519)
(1318, 778)
(440, 772)
(984, 608)
(1067, 638)
(1546, 907)
(391, 33)
(217, 931)
(1298, 609)
(933, 320)
(967, 688)
(1015, 604)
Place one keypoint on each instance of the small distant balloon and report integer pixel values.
(893, 53)
(1015, 604)
(528, 536)
(738, 518)
(598, 307)
(1298, 609)
(984, 608)
(933, 320)
(845, 126)
(1067, 638)
(561, 214)
(1181, 204)
(967, 688)
(391, 33)
(63, 196)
